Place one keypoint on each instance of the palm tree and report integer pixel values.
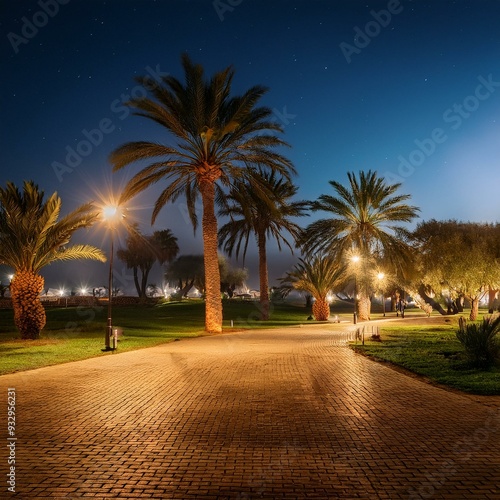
(365, 222)
(317, 276)
(218, 139)
(142, 251)
(31, 237)
(261, 205)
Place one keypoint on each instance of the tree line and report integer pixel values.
(228, 151)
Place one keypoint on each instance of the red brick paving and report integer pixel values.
(277, 414)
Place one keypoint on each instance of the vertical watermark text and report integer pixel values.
(11, 439)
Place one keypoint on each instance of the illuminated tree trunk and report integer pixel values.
(263, 278)
(492, 294)
(363, 307)
(29, 314)
(213, 301)
(474, 308)
(429, 300)
(395, 300)
(321, 310)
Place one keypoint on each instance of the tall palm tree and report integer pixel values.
(218, 138)
(261, 206)
(317, 276)
(365, 221)
(31, 237)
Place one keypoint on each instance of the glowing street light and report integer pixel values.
(109, 212)
(111, 215)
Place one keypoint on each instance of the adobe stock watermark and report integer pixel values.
(462, 450)
(31, 27)
(372, 29)
(223, 6)
(284, 116)
(94, 137)
(454, 116)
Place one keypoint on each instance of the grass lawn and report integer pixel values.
(76, 333)
(430, 348)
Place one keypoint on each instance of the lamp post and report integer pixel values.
(109, 214)
(355, 260)
(380, 277)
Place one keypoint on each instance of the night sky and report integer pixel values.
(408, 88)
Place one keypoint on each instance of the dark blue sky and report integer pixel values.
(408, 88)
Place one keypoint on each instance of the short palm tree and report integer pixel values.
(31, 237)
(142, 251)
(218, 139)
(260, 206)
(365, 221)
(317, 276)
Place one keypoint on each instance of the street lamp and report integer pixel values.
(380, 277)
(355, 259)
(110, 214)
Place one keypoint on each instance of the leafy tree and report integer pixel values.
(185, 272)
(152, 289)
(318, 276)
(260, 206)
(231, 277)
(218, 139)
(31, 237)
(458, 259)
(188, 271)
(365, 222)
(142, 251)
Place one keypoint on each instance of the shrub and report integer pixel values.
(480, 340)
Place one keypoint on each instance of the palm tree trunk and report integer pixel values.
(136, 282)
(363, 307)
(321, 310)
(492, 293)
(213, 301)
(29, 314)
(144, 281)
(474, 308)
(429, 300)
(263, 277)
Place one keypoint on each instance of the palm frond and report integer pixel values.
(216, 131)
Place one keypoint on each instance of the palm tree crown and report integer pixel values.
(261, 205)
(365, 219)
(31, 236)
(220, 138)
(318, 275)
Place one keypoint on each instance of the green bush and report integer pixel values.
(480, 340)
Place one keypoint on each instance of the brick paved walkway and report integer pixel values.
(271, 414)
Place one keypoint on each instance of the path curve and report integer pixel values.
(276, 414)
